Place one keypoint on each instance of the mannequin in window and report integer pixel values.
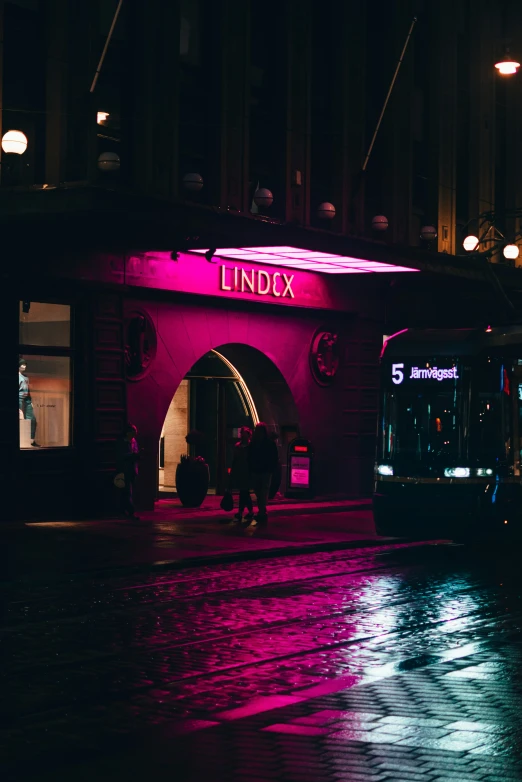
(24, 399)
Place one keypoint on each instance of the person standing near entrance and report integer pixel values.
(127, 458)
(240, 474)
(263, 460)
(24, 400)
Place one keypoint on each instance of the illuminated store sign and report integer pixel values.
(257, 281)
(423, 373)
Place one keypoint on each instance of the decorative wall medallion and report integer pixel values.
(140, 344)
(324, 357)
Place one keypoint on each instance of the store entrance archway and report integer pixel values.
(229, 387)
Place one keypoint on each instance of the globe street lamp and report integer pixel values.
(470, 243)
(511, 252)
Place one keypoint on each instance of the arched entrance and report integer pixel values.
(229, 387)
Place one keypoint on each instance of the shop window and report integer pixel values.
(44, 375)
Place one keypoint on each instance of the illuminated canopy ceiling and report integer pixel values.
(308, 260)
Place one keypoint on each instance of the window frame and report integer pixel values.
(27, 351)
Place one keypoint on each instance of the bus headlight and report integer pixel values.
(457, 472)
(384, 469)
(482, 472)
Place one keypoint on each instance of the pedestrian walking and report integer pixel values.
(262, 460)
(127, 458)
(240, 474)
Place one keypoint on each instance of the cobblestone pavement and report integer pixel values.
(388, 662)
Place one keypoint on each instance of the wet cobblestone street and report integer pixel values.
(399, 661)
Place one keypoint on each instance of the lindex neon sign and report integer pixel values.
(258, 281)
(423, 373)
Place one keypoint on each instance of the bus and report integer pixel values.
(449, 434)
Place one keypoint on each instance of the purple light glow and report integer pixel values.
(310, 260)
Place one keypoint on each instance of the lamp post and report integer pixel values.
(490, 239)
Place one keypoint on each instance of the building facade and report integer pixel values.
(124, 294)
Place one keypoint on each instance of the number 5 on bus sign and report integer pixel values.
(397, 375)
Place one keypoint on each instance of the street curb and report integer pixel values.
(217, 559)
(282, 551)
(206, 515)
(279, 510)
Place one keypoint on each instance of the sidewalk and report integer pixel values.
(172, 510)
(176, 536)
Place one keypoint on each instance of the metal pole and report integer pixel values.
(107, 42)
(414, 22)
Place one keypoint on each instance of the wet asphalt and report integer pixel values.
(396, 661)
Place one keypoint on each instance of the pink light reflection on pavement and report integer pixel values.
(312, 260)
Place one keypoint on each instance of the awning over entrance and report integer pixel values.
(301, 258)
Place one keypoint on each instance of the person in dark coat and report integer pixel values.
(127, 458)
(262, 461)
(240, 474)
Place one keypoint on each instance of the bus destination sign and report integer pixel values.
(422, 373)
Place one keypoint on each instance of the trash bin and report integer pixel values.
(299, 478)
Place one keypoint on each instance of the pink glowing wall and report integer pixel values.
(325, 415)
(194, 274)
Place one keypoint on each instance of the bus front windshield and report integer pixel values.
(442, 412)
(424, 418)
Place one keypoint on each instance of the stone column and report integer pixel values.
(298, 111)
(155, 72)
(56, 90)
(446, 101)
(235, 95)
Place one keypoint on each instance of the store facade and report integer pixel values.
(174, 342)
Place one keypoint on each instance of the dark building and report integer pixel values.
(147, 276)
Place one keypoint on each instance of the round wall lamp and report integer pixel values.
(326, 211)
(14, 142)
(263, 197)
(428, 233)
(193, 182)
(380, 223)
(507, 66)
(109, 161)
